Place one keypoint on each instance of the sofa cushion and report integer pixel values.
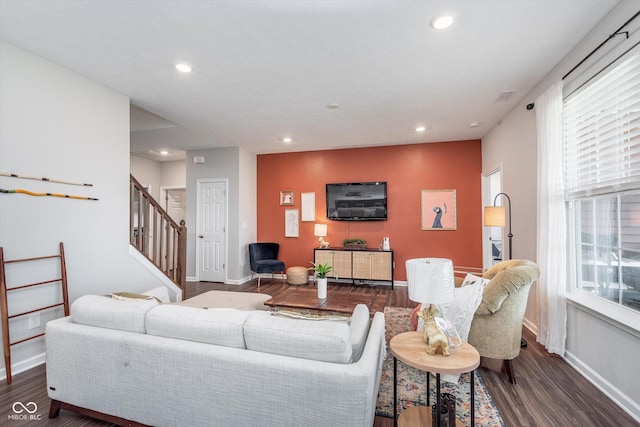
(105, 312)
(326, 341)
(220, 326)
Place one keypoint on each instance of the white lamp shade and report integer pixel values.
(320, 230)
(430, 280)
(495, 216)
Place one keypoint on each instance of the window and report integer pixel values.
(602, 182)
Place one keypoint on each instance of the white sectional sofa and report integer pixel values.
(138, 362)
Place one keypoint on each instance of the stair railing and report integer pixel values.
(155, 235)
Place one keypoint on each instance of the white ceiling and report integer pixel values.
(263, 70)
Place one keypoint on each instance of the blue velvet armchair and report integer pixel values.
(263, 258)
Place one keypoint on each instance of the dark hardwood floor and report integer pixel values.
(548, 391)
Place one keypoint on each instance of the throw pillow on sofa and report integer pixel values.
(471, 279)
(123, 296)
(160, 292)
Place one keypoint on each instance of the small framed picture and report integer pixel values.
(291, 223)
(438, 209)
(286, 198)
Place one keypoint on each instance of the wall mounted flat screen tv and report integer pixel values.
(357, 201)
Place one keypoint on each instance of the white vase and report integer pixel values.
(322, 288)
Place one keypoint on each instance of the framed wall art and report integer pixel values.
(438, 209)
(308, 202)
(286, 198)
(291, 225)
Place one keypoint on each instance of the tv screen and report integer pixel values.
(357, 201)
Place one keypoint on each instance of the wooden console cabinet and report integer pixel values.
(374, 265)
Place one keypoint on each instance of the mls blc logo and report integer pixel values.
(24, 412)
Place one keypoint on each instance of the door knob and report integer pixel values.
(201, 236)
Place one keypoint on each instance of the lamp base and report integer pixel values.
(322, 244)
(434, 336)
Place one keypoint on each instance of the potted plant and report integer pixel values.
(320, 272)
(355, 243)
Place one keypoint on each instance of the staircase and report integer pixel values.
(156, 236)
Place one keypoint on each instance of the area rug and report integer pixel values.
(412, 388)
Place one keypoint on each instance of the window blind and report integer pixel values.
(602, 132)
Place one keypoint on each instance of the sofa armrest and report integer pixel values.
(501, 286)
(359, 330)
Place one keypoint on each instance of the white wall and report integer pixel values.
(513, 143)
(148, 174)
(602, 349)
(58, 124)
(230, 164)
(173, 174)
(158, 174)
(247, 208)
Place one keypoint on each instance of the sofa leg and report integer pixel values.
(54, 409)
(259, 281)
(507, 366)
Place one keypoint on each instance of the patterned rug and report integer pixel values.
(412, 388)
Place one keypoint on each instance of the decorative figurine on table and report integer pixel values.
(434, 337)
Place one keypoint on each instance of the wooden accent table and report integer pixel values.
(336, 302)
(409, 348)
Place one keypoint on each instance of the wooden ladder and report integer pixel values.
(4, 309)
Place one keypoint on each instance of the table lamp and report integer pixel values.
(430, 281)
(320, 231)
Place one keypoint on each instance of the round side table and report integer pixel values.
(409, 348)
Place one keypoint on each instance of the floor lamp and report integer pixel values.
(495, 216)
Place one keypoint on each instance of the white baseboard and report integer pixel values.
(530, 326)
(622, 400)
(240, 281)
(24, 365)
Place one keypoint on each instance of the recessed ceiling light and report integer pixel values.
(421, 129)
(164, 153)
(474, 124)
(332, 106)
(286, 140)
(183, 67)
(441, 22)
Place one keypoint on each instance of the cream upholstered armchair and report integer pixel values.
(496, 328)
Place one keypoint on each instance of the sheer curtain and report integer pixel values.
(552, 229)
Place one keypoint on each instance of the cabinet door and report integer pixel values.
(381, 265)
(342, 264)
(361, 265)
(372, 265)
(323, 257)
(339, 260)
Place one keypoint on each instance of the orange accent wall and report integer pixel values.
(407, 169)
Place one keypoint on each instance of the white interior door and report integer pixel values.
(176, 204)
(211, 230)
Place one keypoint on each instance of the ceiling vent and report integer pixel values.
(504, 96)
